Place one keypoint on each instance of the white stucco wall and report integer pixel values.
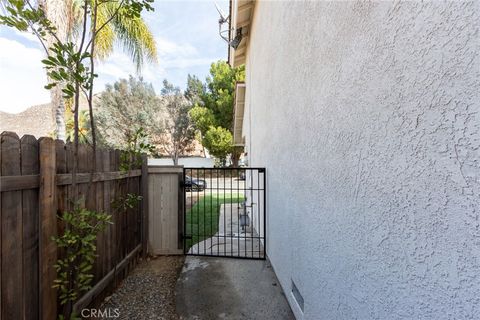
(367, 118)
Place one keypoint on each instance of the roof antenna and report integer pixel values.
(224, 33)
(223, 17)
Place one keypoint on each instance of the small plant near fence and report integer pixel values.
(74, 269)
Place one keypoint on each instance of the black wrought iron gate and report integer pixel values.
(224, 212)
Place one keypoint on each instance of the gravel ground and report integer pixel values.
(149, 291)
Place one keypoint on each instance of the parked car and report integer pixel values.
(192, 184)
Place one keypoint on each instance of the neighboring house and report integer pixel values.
(196, 162)
(195, 148)
(366, 116)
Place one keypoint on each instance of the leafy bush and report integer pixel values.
(79, 244)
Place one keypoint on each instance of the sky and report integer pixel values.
(187, 39)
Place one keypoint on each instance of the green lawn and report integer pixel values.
(202, 218)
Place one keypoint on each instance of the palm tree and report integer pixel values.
(83, 127)
(130, 33)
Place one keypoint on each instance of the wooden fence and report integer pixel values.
(35, 189)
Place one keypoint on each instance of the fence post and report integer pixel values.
(144, 215)
(48, 229)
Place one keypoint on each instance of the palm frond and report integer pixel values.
(132, 34)
(106, 37)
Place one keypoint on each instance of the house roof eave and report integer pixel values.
(238, 112)
(241, 15)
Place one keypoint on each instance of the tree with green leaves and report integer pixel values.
(195, 89)
(219, 143)
(125, 107)
(179, 131)
(214, 108)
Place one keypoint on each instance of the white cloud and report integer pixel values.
(168, 48)
(188, 63)
(119, 65)
(22, 76)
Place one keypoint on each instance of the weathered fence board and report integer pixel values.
(29, 153)
(98, 205)
(48, 228)
(35, 189)
(12, 235)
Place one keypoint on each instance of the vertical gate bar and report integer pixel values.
(223, 173)
(251, 218)
(259, 212)
(203, 222)
(192, 214)
(264, 213)
(190, 232)
(198, 216)
(211, 228)
(198, 212)
(218, 199)
(231, 214)
(211, 202)
(245, 212)
(237, 237)
(184, 190)
(238, 217)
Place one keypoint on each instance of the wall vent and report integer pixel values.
(297, 295)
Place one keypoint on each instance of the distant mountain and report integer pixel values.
(37, 120)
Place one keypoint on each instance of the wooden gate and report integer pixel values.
(165, 210)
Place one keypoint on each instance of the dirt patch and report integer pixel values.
(149, 291)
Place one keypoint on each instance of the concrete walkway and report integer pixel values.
(223, 288)
(231, 239)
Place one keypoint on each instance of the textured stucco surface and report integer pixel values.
(367, 118)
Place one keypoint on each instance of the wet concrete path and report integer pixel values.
(226, 288)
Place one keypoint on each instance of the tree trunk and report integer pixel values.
(59, 13)
(237, 151)
(235, 157)
(58, 107)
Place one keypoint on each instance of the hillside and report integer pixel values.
(37, 120)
